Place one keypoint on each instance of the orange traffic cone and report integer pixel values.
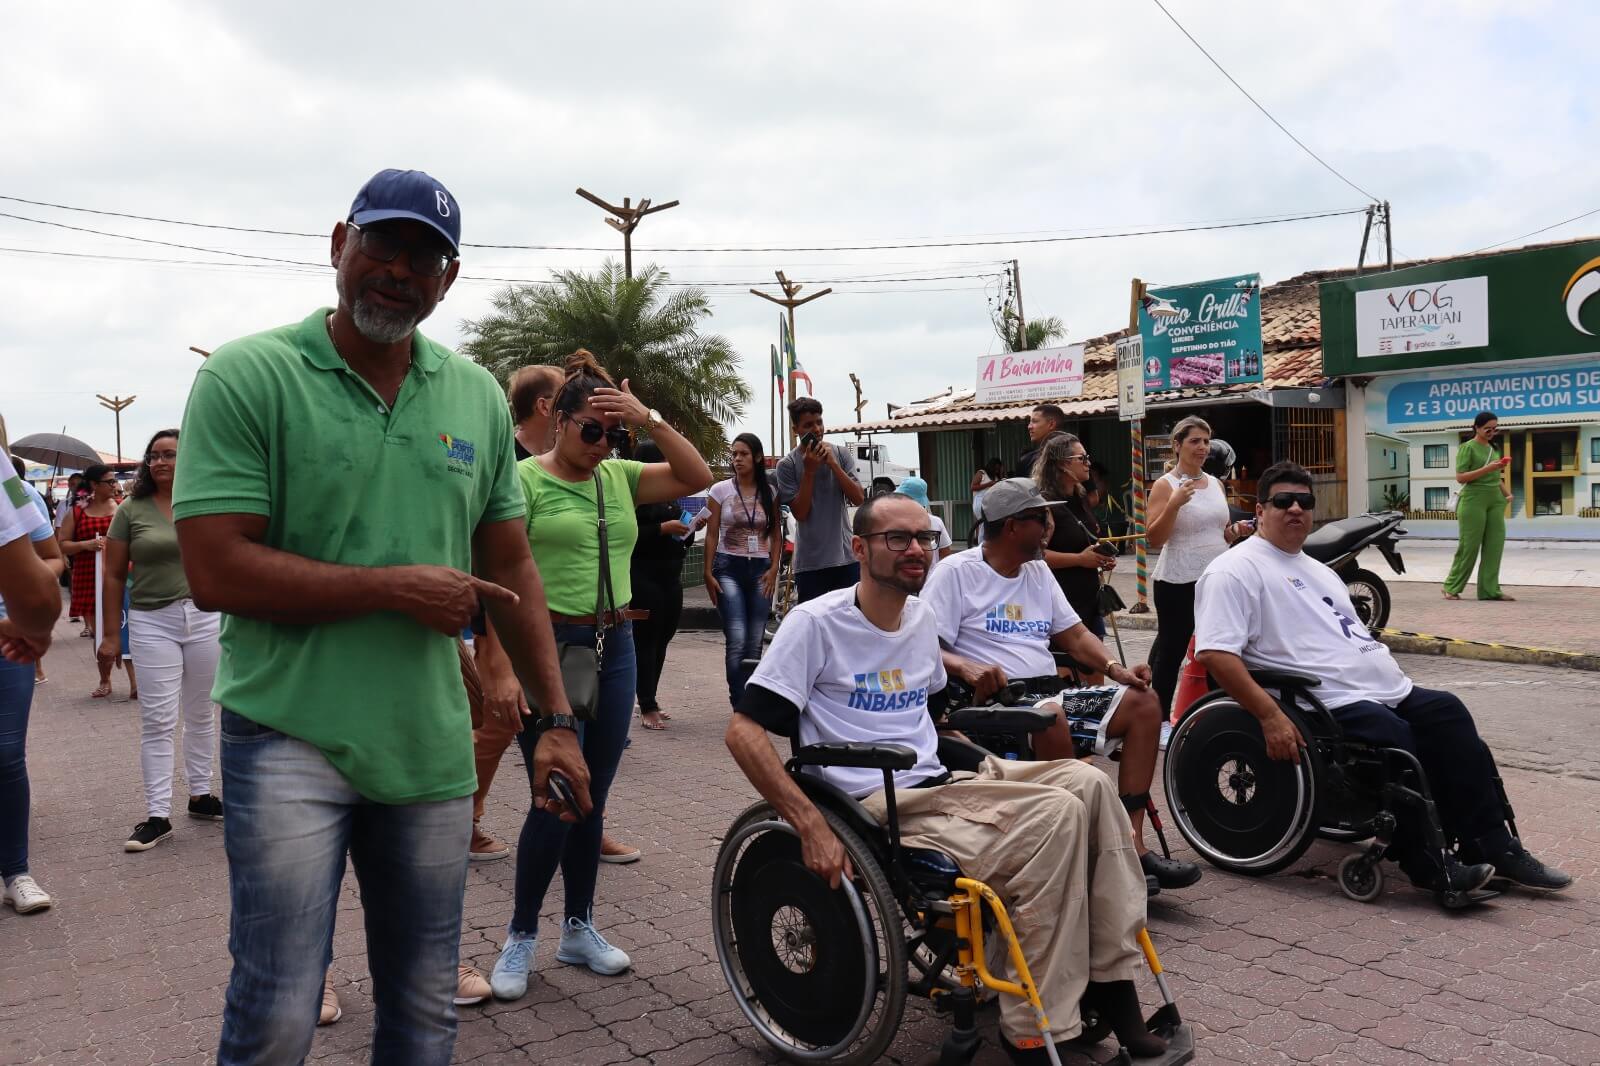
(1192, 684)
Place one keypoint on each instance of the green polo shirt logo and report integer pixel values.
(459, 454)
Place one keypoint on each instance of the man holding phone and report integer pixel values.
(818, 483)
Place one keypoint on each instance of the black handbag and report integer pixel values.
(580, 664)
(1108, 600)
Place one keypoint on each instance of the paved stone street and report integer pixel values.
(129, 967)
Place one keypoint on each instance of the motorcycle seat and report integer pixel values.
(1338, 538)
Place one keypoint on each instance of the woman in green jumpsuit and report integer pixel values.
(1480, 512)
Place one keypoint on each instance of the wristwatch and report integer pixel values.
(547, 722)
(654, 421)
(1111, 664)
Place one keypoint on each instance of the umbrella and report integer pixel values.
(56, 449)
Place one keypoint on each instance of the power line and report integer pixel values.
(1325, 164)
(1535, 233)
(909, 244)
(164, 244)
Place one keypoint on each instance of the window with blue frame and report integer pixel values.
(1436, 456)
(1436, 499)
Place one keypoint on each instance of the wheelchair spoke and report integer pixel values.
(1236, 781)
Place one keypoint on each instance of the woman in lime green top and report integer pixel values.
(591, 419)
(174, 644)
(1480, 512)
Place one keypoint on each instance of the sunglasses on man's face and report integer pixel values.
(590, 432)
(1285, 500)
(386, 248)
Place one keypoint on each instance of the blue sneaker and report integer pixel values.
(510, 977)
(582, 943)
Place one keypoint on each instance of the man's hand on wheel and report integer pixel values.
(823, 853)
(1283, 739)
(558, 750)
(983, 680)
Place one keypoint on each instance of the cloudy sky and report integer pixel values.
(820, 124)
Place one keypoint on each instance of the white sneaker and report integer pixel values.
(25, 895)
(509, 979)
(582, 944)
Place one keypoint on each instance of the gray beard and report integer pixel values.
(379, 325)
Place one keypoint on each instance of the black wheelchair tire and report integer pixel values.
(862, 1040)
(1231, 821)
(1371, 597)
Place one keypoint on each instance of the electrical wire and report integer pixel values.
(1259, 107)
(1535, 233)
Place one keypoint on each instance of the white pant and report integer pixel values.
(175, 650)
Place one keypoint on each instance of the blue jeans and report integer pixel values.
(547, 842)
(16, 697)
(744, 612)
(290, 820)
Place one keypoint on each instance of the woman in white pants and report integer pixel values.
(167, 636)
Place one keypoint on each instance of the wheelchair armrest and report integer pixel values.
(983, 720)
(856, 753)
(960, 696)
(958, 754)
(1282, 679)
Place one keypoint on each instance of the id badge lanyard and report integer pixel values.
(752, 541)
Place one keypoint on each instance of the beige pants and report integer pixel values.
(1054, 841)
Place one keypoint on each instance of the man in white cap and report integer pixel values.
(917, 489)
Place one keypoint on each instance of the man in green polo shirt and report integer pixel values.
(338, 480)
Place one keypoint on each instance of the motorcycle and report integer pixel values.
(1338, 544)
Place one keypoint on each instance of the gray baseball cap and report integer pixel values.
(1013, 496)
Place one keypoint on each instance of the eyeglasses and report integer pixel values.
(1084, 459)
(899, 540)
(1285, 500)
(376, 244)
(590, 432)
(161, 457)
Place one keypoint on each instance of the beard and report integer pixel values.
(380, 325)
(899, 580)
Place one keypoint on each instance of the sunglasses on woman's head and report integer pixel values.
(1285, 500)
(590, 432)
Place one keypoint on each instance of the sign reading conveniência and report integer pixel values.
(1042, 374)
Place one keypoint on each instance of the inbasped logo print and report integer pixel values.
(1582, 285)
(459, 454)
(1008, 618)
(885, 690)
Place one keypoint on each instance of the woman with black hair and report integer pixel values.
(83, 535)
(173, 642)
(562, 488)
(744, 551)
(657, 588)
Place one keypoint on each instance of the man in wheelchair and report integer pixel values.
(1266, 605)
(860, 664)
(1000, 612)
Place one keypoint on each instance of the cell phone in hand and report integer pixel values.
(560, 790)
(808, 441)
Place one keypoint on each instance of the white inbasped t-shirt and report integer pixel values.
(1000, 621)
(1278, 611)
(854, 682)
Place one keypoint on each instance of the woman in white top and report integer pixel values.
(744, 551)
(1189, 522)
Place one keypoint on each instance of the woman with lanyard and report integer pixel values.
(83, 535)
(592, 419)
(1480, 511)
(176, 642)
(1062, 473)
(1190, 524)
(742, 571)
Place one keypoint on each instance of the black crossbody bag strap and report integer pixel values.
(604, 604)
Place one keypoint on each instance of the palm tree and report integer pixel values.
(637, 328)
(1040, 331)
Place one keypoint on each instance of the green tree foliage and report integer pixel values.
(639, 329)
(1040, 332)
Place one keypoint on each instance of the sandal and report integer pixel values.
(101, 691)
(646, 721)
(1452, 595)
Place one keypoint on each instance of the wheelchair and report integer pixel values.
(1250, 814)
(823, 975)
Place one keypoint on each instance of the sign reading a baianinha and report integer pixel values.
(1517, 305)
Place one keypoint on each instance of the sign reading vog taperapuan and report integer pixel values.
(1214, 338)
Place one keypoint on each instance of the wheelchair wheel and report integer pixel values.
(1360, 878)
(820, 973)
(1240, 809)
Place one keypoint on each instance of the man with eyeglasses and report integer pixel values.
(861, 664)
(338, 480)
(1266, 605)
(1001, 612)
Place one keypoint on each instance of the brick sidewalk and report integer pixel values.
(129, 967)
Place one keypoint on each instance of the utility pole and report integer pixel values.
(1377, 215)
(116, 405)
(627, 220)
(860, 403)
(1022, 323)
(789, 302)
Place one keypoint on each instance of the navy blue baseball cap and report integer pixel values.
(408, 194)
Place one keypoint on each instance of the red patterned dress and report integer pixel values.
(86, 526)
